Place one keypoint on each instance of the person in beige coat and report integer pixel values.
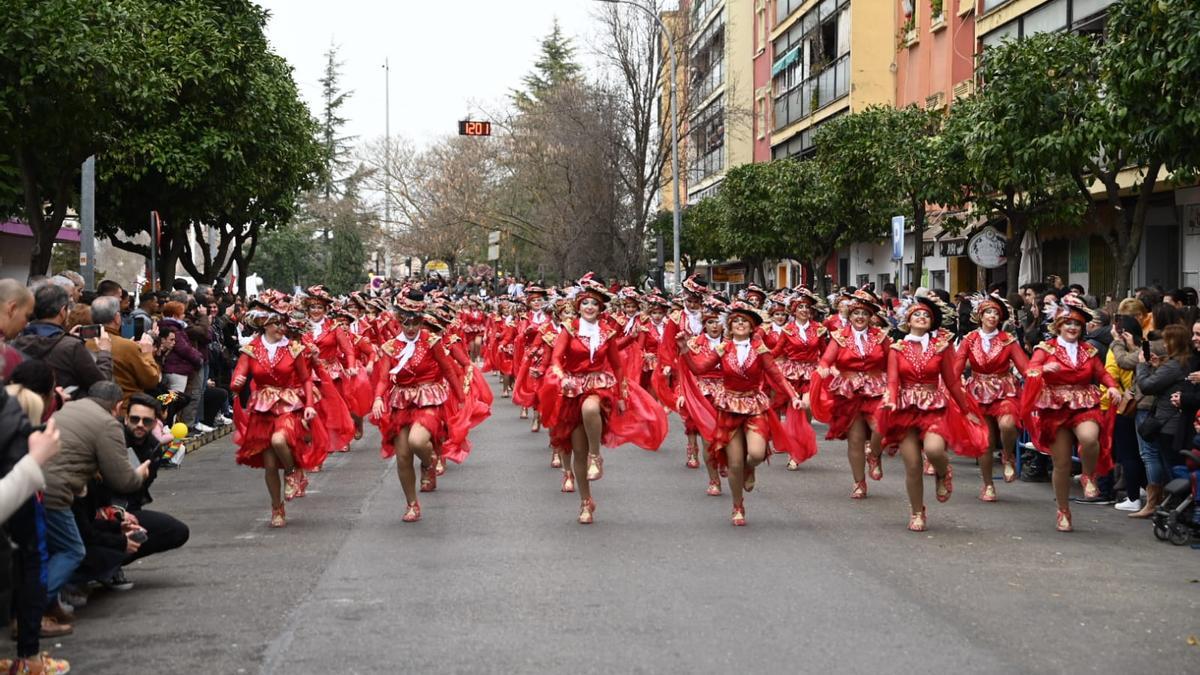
(133, 364)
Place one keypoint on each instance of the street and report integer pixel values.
(498, 577)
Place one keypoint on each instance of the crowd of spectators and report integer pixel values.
(92, 383)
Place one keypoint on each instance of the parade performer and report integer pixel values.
(505, 344)
(528, 330)
(1061, 403)
(925, 409)
(996, 359)
(275, 429)
(710, 381)
(744, 425)
(411, 401)
(338, 358)
(800, 345)
(778, 314)
(654, 326)
(849, 385)
(841, 318)
(688, 322)
(474, 323)
(585, 397)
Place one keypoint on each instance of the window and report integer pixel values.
(937, 279)
(708, 60)
(760, 32)
(882, 280)
(812, 65)
(707, 142)
(760, 113)
(989, 5)
(700, 11)
(1008, 30)
(1049, 17)
(862, 280)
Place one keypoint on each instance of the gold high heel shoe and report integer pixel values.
(586, 509)
(595, 469)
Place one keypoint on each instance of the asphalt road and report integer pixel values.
(498, 577)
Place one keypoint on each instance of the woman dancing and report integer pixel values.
(924, 408)
(801, 344)
(745, 424)
(586, 400)
(274, 431)
(993, 354)
(411, 401)
(1061, 403)
(850, 384)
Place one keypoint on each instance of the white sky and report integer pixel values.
(447, 56)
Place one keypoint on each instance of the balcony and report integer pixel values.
(814, 93)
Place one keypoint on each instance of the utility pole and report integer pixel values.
(387, 166)
(87, 222)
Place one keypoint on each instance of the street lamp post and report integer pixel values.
(677, 214)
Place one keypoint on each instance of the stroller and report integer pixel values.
(1175, 519)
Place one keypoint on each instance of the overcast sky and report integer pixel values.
(445, 55)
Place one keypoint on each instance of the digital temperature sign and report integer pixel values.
(474, 128)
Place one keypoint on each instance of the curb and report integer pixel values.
(193, 443)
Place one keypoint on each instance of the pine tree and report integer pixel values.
(336, 146)
(556, 66)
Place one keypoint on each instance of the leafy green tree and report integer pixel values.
(71, 73)
(1002, 142)
(555, 66)
(854, 202)
(232, 151)
(1143, 111)
(335, 146)
(287, 258)
(347, 259)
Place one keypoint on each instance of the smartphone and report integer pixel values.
(1146, 349)
(140, 536)
(90, 331)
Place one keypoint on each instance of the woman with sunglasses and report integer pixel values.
(586, 399)
(274, 430)
(925, 410)
(744, 425)
(412, 401)
(850, 383)
(801, 344)
(1061, 403)
(996, 359)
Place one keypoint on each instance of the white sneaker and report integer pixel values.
(1129, 505)
(202, 427)
(222, 421)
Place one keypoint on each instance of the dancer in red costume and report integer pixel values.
(338, 358)
(841, 318)
(925, 410)
(1061, 403)
(587, 399)
(801, 344)
(563, 312)
(654, 326)
(779, 321)
(505, 344)
(996, 359)
(706, 348)
(417, 383)
(526, 339)
(689, 323)
(474, 325)
(849, 386)
(756, 296)
(744, 423)
(273, 430)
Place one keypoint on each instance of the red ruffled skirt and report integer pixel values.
(643, 423)
(272, 410)
(1046, 409)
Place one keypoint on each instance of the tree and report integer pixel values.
(288, 258)
(1001, 141)
(855, 199)
(336, 147)
(701, 236)
(555, 66)
(754, 196)
(1142, 111)
(232, 152)
(71, 72)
